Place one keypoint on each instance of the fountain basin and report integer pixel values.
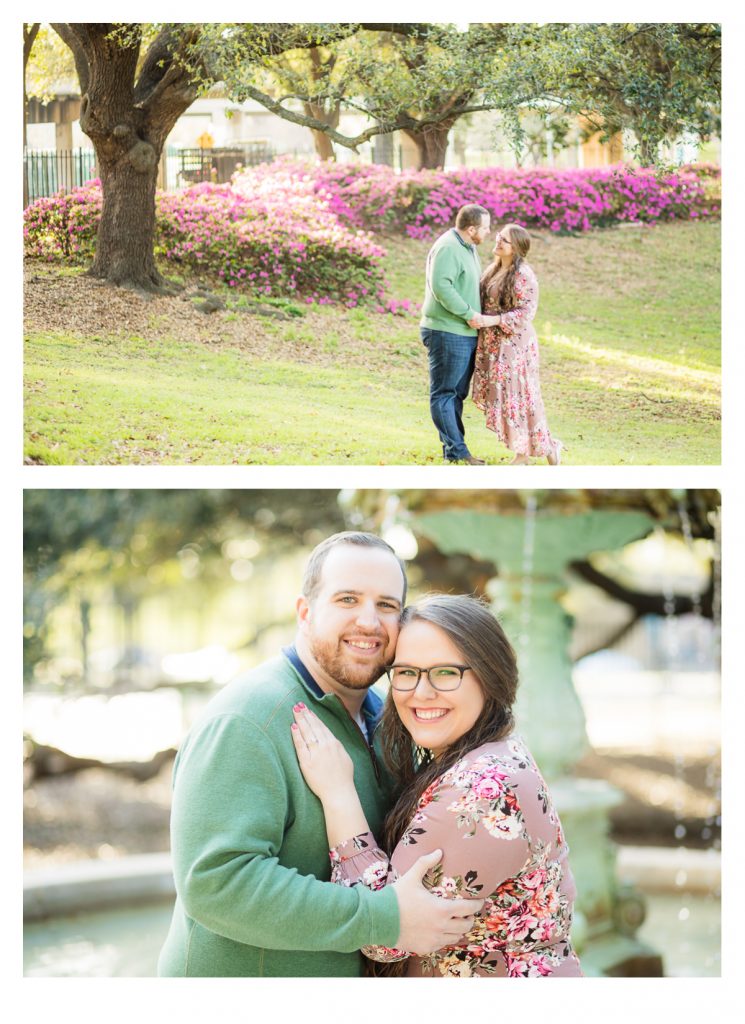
(110, 919)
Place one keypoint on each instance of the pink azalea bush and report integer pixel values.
(272, 235)
(64, 225)
(265, 235)
(292, 228)
(704, 170)
(420, 203)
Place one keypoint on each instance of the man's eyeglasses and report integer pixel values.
(441, 677)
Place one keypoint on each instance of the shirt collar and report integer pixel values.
(372, 706)
(466, 245)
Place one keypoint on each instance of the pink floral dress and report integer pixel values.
(502, 841)
(505, 380)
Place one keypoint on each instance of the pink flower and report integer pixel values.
(534, 879)
(487, 789)
(308, 226)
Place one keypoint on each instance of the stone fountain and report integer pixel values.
(533, 541)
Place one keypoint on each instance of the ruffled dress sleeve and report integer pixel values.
(360, 861)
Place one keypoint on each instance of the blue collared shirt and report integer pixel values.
(372, 706)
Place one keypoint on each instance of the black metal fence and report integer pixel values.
(45, 171)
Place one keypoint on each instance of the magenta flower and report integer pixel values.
(291, 227)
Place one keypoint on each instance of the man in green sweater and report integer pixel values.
(248, 838)
(451, 316)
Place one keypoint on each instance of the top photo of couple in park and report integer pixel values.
(372, 244)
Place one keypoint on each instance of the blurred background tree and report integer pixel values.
(85, 547)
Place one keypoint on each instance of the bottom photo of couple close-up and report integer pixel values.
(372, 733)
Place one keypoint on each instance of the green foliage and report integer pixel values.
(234, 53)
(431, 74)
(79, 542)
(50, 66)
(145, 526)
(659, 80)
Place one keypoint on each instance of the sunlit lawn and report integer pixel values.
(629, 327)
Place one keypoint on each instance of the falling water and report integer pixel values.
(672, 668)
(685, 526)
(716, 604)
(671, 636)
(526, 587)
(713, 779)
(671, 648)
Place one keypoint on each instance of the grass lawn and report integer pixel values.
(628, 323)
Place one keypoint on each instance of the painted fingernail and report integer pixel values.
(298, 707)
(294, 728)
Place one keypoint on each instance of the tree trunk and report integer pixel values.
(41, 761)
(124, 244)
(321, 66)
(323, 144)
(128, 114)
(128, 146)
(85, 632)
(30, 33)
(431, 143)
(648, 151)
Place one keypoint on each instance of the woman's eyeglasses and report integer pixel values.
(441, 677)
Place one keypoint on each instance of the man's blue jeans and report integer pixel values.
(451, 359)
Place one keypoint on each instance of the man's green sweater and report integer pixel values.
(451, 294)
(248, 839)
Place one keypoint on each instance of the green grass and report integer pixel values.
(155, 403)
(629, 328)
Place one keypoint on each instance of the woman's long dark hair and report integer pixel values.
(503, 295)
(469, 623)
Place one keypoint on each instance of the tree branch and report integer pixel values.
(351, 142)
(42, 761)
(611, 640)
(641, 602)
(30, 32)
(159, 69)
(400, 122)
(70, 36)
(165, 86)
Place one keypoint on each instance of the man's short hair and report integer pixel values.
(314, 568)
(470, 216)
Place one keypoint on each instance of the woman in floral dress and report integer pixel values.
(468, 787)
(506, 385)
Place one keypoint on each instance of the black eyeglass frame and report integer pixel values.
(426, 671)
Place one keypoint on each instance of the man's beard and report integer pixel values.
(329, 654)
